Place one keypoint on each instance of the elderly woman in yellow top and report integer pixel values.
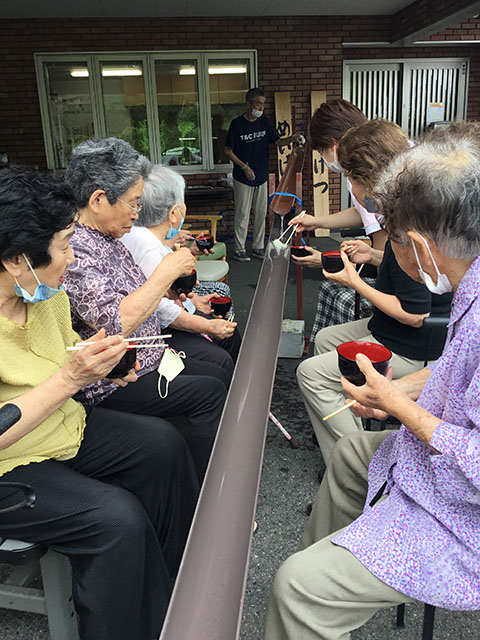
(115, 491)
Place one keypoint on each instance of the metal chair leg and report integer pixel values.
(401, 616)
(57, 587)
(428, 622)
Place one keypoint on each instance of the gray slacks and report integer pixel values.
(246, 198)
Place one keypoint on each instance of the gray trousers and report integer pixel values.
(319, 381)
(247, 197)
(323, 592)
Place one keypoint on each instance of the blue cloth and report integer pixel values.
(250, 142)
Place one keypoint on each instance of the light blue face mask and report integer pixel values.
(42, 291)
(173, 232)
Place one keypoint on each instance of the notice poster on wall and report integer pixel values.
(435, 112)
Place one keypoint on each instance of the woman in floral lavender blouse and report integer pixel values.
(107, 289)
(397, 515)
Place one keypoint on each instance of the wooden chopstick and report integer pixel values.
(300, 215)
(132, 346)
(335, 413)
(168, 335)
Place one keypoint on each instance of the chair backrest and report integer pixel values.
(434, 323)
(9, 415)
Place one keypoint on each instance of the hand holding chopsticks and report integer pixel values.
(290, 229)
(130, 342)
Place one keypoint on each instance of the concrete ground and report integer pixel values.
(289, 483)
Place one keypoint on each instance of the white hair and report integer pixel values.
(162, 190)
(434, 189)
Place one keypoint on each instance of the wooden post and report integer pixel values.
(299, 268)
(320, 172)
(283, 125)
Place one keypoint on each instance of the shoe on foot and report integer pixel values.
(241, 256)
(258, 253)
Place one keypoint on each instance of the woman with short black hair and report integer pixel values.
(115, 491)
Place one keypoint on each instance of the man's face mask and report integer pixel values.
(42, 291)
(173, 232)
(256, 113)
(443, 284)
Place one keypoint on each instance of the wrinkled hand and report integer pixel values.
(249, 173)
(305, 223)
(180, 263)
(182, 238)
(202, 303)
(348, 276)
(94, 361)
(130, 377)
(298, 140)
(313, 260)
(374, 398)
(358, 251)
(221, 329)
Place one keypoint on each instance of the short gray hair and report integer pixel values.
(163, 189)
(109, 164)
(434, 189)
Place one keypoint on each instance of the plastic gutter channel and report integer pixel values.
(207, 600)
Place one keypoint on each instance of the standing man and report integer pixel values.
(247, 146)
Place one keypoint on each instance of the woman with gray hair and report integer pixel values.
(108, 290)
(158, 226)
(396, 517)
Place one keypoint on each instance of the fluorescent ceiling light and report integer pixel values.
(108, 72)
(190, 71)
(220, 70)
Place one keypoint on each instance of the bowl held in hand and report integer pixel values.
(332, 261)
(378, 354)
(221, 305)
(299, 252)
(124, 365)
(185, 284)
(205, 242)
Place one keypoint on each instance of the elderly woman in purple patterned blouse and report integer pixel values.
(397, 515)
(108, 290)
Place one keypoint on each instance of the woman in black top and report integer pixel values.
(400, 304)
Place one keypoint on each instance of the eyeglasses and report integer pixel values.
(136, 209)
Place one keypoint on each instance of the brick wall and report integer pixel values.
(421, 14)
(294, 54)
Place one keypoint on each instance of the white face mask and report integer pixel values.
(443, 284)
(335, 165)
(170, 366)
(256, 113)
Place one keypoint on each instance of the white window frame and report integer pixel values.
(148, 58)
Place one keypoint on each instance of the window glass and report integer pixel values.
(69, 108)
(229, 81)
(124, 102)
(178, 112)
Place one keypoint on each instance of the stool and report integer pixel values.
(55, 600)
(212, 270)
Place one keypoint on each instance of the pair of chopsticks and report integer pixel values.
(130, 341)
(289, 229)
